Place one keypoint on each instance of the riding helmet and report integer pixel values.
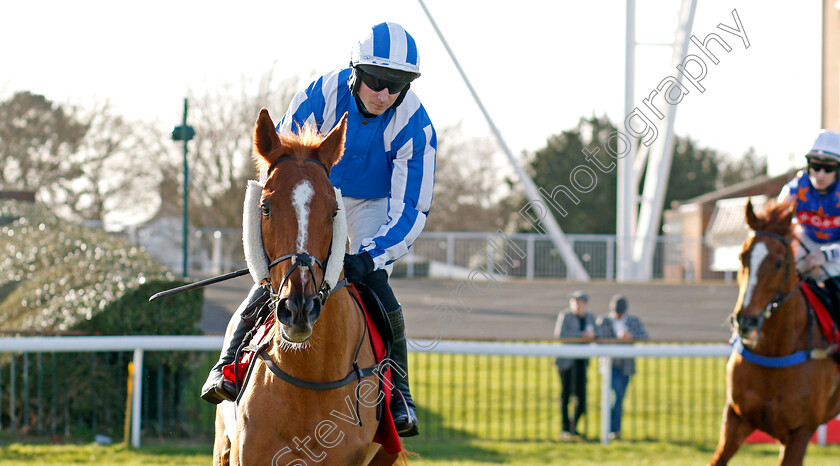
(386, 52)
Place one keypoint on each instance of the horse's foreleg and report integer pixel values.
(221, 445)
(833, 400)
(792, 452)
(732, 434)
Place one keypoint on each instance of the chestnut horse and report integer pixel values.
(778, 378)
(303, 402)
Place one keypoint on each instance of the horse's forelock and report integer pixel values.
(775, 217)
(291, 144)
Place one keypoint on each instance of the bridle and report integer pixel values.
(301, 259)
(306, 260)
(781, 296)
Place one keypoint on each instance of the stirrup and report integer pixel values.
(410, 427)
(221, 391)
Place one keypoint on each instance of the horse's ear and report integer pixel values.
(790, 207)
(265, 135)
(750, 215)
(332, 147)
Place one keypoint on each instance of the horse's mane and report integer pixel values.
(307, 139)
(774, 217)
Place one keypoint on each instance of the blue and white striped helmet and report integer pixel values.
(391, 50)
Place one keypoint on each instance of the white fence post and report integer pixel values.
(136, 398)
(409, 263)
(529, 257)
(606, 384)
(216, 268)
(450, 254)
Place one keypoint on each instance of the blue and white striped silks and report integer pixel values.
(387, 156)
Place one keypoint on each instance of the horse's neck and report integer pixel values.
(332, 346)
(787, 330)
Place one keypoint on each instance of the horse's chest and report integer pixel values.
(779, 401)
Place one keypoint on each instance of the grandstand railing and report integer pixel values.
(488, 390)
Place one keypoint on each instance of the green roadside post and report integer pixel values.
(184, 133)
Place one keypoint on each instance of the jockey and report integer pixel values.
(816, 194)
(386, 176)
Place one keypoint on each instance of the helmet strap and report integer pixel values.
(355, 81)
(362, 109)
(402, 96)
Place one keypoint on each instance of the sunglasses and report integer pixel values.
(376, 84)
(826, 167)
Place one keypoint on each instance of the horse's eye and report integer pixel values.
(265, 209)
(779, 264)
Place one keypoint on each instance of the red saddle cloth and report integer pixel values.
(823, 317)
(386, 433)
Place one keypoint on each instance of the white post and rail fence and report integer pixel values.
(140, 344)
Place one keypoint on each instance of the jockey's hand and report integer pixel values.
(814, 259)
(356, 266)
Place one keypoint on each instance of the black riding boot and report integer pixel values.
(402, 406)
(216, 389)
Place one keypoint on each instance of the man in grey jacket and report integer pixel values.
(575, 325)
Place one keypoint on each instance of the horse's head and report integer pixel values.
(767, 276)
(296, 208)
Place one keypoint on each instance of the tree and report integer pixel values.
(581, 183)
(114, 176)
(747, 167)
(694, 170)
(470, 191)
(84, 162)
(39, 141)
(552, 167)
(220, 155)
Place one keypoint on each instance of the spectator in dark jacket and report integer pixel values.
(576, 324)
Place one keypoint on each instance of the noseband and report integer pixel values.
(780, 297)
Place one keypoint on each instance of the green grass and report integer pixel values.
(516, 398)
(48, 454)
(431, 452)
(592, 453)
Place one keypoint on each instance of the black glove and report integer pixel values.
(357, 266)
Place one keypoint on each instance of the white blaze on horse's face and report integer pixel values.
(301, 196)
(757, 255)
